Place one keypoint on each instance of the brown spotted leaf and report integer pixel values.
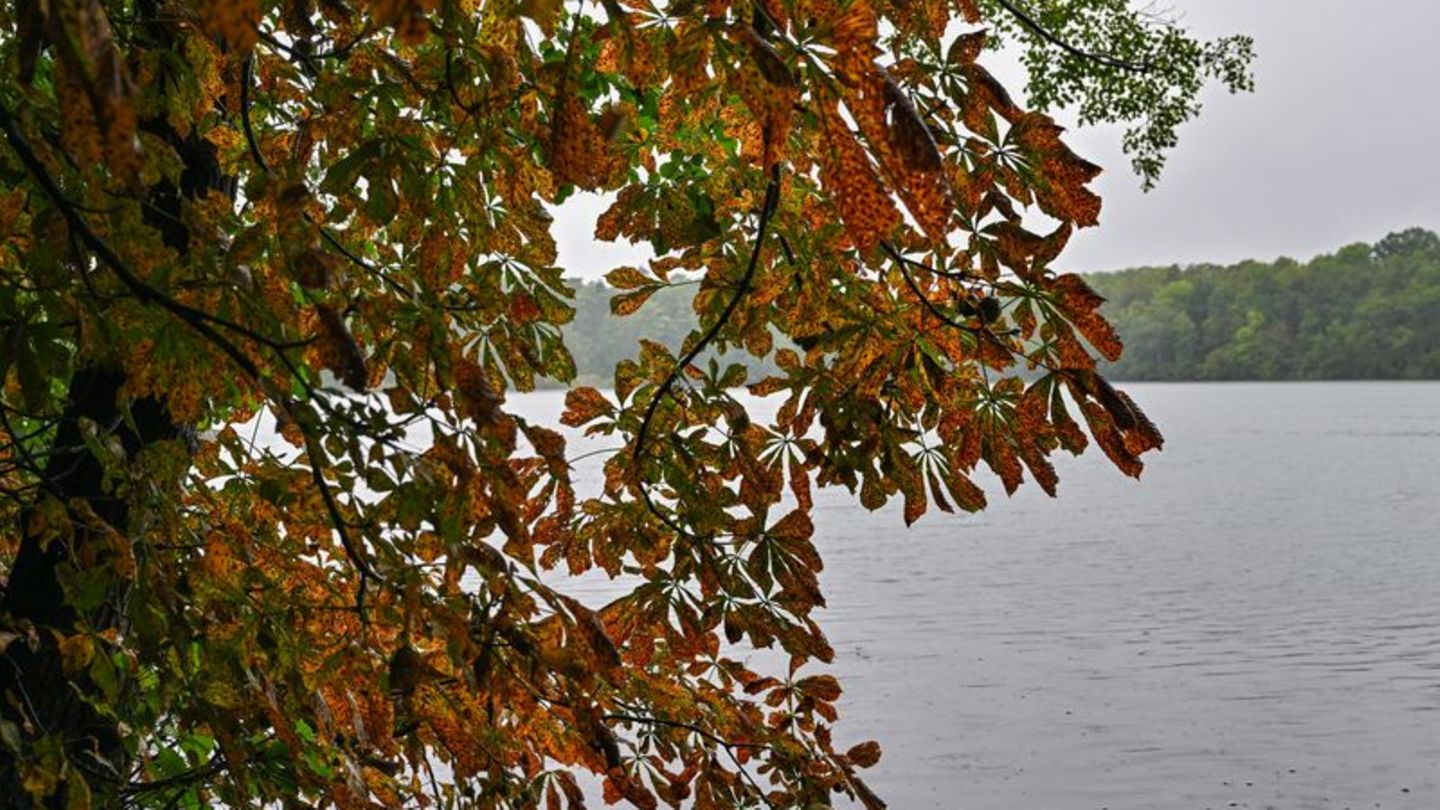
(852, 185)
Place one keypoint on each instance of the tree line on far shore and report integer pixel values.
(1363, 312)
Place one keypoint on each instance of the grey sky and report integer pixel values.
(1340, 143)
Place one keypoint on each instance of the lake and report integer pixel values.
(1255, 624)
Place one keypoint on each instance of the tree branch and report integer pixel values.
(981, 333)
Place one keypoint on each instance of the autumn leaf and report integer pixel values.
(771, 66)
(630, 302)
(94, 83)
(1062, 192)
(820, 687)
(584, 405)
(628, 278)
(579, 151)
(966, 48)
(341, 351)
(848, 175)
(233, 22)
(864, 755)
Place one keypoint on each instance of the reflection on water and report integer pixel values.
(1256, 624)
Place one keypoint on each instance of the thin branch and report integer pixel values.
(1051, 37)
(357, 261)
(215, 765)
(19, 682)
(352, 551)
(957, 275)
(312, 446)
(772, 201)
(246, 79)
(691, 727)
(336, 51)
(904, 265)
(980, 333)
(721, 741)
(18, 443)
(247, 75)
(469, 109)
(602, 451)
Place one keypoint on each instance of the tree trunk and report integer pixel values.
(35, 692)
(41, 698)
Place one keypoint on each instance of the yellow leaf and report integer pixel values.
(852, 185)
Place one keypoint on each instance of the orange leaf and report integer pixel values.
(339, 349)
(854, 188)
(1063, 175)
(794, 526)
(820, 687)
(579, 152)
(966, 48)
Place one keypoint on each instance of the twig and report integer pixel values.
(247, 77)
(352, 551)
(980, 333)
(334, 242)
(469, 109)
(957, 275)
(920, 294)
(691, 727)
(336, 51)
(215, 765)
(721, 741)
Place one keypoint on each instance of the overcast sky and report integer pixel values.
(1340, 143)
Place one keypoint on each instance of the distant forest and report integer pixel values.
(1364, 312)
(599, 340)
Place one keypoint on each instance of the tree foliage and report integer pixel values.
(333, 218)
(1364, 312)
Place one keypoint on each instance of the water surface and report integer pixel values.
(1256, 624)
